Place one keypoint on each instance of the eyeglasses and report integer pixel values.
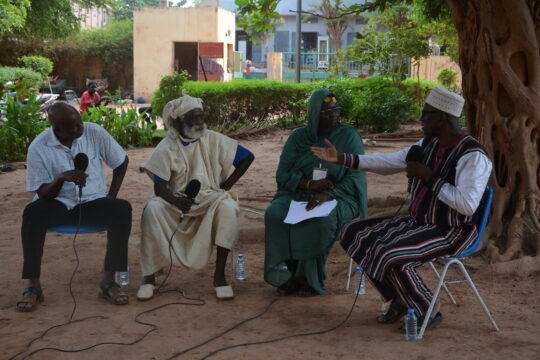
(330, 99)
(330, 111)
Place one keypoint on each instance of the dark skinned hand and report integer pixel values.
(184, 203)
(321, 185)
(225, 186)
(75, 176)
(418, 170)
(317, 200)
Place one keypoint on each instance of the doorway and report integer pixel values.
(186, 58)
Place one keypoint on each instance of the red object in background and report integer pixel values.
(211, 50)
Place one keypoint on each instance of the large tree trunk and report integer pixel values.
(500, 62)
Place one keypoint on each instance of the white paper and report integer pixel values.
(297, 211)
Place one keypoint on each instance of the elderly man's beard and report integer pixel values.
(195, 132)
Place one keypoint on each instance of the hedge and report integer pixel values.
(235, 104)
(39, 64)
(9, 73)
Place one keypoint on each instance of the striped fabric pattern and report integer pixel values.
(389, 249)
(431, 209)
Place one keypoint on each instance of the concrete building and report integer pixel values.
(93, 18)
(200, 40)
(314, 31)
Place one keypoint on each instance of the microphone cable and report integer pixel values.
(154, 327)
(77, 262)
(318, 332)
(272, 302)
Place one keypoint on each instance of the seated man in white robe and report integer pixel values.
(188, 152)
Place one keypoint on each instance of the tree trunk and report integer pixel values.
(500, 62)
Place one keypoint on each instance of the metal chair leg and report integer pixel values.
(440, 284)
(444, 284)
(477, 294)
(349, 276)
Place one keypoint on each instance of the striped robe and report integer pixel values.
(389, 249)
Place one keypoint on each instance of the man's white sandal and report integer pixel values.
(146, 292)
(224, 292)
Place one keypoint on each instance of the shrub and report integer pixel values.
(39, 64)
(128, 127)
(22, 124)
(170, 88)
(417, 90)
(448, 78)
(383, 109)
(9, 73)
(235, 104)
(248, 103)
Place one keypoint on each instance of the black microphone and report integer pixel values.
(193, 188)
(81, 163)
(416, 153)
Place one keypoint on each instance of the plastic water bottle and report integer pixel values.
(240, 268)
(122, 277)
(281, 274)
(411, 326)
(360, 281)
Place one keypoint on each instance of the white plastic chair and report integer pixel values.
(485, 206)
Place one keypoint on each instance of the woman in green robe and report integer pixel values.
(295, 255)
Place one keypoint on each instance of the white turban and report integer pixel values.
(446, 101)
(178, 107)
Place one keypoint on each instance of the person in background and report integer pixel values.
(90, 97)
(248, 69)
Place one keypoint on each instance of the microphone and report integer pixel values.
(81, 163)
(193, 188)
(416, 154)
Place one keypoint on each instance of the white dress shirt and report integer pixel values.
(48, 158)
(472, 175)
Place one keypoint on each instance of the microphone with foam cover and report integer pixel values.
(81, 163)
(416, 154)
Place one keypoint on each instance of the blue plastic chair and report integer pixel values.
(481, 226)
(74, 229)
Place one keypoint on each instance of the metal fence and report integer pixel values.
(315, 62)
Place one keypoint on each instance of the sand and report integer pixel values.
(464, 334)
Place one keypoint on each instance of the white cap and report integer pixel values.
(446, 101)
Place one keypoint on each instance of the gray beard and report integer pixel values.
(195, 132)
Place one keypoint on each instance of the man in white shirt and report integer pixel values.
(449, 178)
(59, 201)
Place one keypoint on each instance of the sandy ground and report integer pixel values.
(464, 334)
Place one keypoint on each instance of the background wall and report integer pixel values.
(157, 29)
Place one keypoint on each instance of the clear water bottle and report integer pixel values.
(411, 326)
(122, 277)
(281, 274)
(240, 270)
(360, 281)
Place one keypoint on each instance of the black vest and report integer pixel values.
(431, 210)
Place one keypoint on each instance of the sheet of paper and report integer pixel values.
(297, 211)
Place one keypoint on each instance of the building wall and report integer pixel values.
(93, 18)
(155, 31)
(429, 68)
